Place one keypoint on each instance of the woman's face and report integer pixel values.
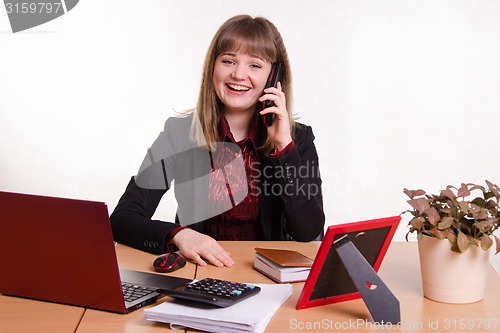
(239, 80)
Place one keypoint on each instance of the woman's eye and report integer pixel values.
(256, 66)
(227, 62)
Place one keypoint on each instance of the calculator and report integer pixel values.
(216, 292)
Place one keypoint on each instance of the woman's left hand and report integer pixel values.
(279, 131)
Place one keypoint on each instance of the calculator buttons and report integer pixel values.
(218, 292)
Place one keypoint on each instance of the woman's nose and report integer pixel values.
(239, 73)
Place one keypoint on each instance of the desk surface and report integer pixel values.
(22, 315)
(400, 271)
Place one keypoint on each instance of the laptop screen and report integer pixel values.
(58, 250)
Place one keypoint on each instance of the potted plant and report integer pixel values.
(454, 271)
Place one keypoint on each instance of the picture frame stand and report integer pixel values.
(380, 301)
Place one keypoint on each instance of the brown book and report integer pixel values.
(282, 265)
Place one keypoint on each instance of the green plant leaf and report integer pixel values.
(434, 232)
(497, 241)
(450, 215)
(463, 191)
(413, 193)
(462, 242)
(448, 193)
(454, 247)
(476, 187)
(412, 212)
(480, 202)
(417, 222)
(408, 193)
(492, 220)
(451, 211)
(432, 215)
(486, 242)
(488, 195)
(464, 206)
(491, 204)
(494, 189)
(473, 241)
(445, 223)
(484, 226)
(419, 204)
(419, 193)
(482, 214)
(450, 235)
(465, 225)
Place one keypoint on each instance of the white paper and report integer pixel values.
(250, 315)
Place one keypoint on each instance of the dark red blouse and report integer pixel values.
(242, 221)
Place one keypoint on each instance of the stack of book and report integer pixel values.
(282, 266)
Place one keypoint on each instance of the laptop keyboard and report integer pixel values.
(132, 292)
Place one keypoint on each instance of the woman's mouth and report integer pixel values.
(237, 87)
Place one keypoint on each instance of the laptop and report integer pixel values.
(62, 250)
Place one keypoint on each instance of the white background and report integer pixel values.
(399, 93)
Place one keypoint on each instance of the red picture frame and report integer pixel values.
(378, 235)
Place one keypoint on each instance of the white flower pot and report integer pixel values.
(452, 277)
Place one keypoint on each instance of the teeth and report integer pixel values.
(238, 87)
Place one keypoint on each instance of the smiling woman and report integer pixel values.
(257, 38)
(216, 153)
(239, 81)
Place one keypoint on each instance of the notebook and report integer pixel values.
(62, 250)
(281, 265)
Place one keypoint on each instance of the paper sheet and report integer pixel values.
(250, 315)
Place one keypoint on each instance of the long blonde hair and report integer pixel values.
(250, 35)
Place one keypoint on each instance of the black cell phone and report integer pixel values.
(272, 81)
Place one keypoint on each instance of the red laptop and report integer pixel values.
(62, 250)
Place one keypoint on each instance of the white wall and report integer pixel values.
(399, 93)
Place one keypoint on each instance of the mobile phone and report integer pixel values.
(272, 81)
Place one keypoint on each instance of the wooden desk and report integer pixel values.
(400, 271)
(27, 315)
(21, 315)
(95, 321)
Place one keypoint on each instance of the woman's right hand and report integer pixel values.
(195, 245)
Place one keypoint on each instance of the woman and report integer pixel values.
(235, 178)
